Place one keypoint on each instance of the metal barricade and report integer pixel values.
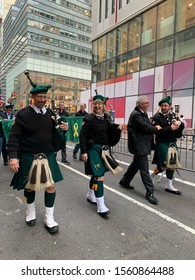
(186, 146)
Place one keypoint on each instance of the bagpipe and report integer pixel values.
(172, 116)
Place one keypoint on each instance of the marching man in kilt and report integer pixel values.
(32, 156)
(95, 135)
(171, 130)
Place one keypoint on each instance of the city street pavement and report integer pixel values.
(135, 229)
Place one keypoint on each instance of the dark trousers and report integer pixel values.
(139, 163)
(76, 148)
(63, 152)
(4, 151)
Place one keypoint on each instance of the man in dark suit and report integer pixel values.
(140, 132)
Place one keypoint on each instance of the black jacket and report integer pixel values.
(166, 134)
(31, 133)
(97, 131)
(140, 132)
(81, 113)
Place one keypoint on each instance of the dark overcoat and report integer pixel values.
(140, 133)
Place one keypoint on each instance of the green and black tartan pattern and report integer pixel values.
(21, 177)
(95, 165)
(161, 153)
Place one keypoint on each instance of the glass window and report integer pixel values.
(111, 44)
(106, 8)
(113, 7)
(100, 10)
(121, 39)
(94, 74)
(185, 44)
(133, 59)
(102, 49)
(134, 32)
(164, 51)
(165, 19)
(185, 14)
(120, 4)
(121, 64)
(149, 26)
(147, 56)
(110, 68)
(101, 70)
(94, 53)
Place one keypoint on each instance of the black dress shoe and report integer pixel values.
(66, 162)
(127, 186)
(31, 223)
(5, 163)
(104, 214)
(92, 202)
(74, 156)
(174, 192)
(52, 230)
(152, 199)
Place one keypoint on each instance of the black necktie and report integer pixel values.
(100, 117)
(41, 111)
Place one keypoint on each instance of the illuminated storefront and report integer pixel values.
(144, 50)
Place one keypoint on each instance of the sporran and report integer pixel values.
(40, 176)
(173, 157)
(109, 161)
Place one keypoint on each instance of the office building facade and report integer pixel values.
(144, 47)
(50, 39)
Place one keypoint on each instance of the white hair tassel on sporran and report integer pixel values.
(40, 176)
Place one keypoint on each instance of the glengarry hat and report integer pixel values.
(165, 100)
(101, 98)
(43, 89)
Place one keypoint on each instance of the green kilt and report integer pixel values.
(20, 178)
(161, 154)
(95, 165)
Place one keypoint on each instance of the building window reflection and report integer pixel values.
(165, 20)
(111, 44)
(149, 26)
(164, 51)
(121, 39)
(63, 88)
(185, 44)
(185, 14)
(134, 31)
(133, 61)
(111, 68)
(121, 65)
(147, 56)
